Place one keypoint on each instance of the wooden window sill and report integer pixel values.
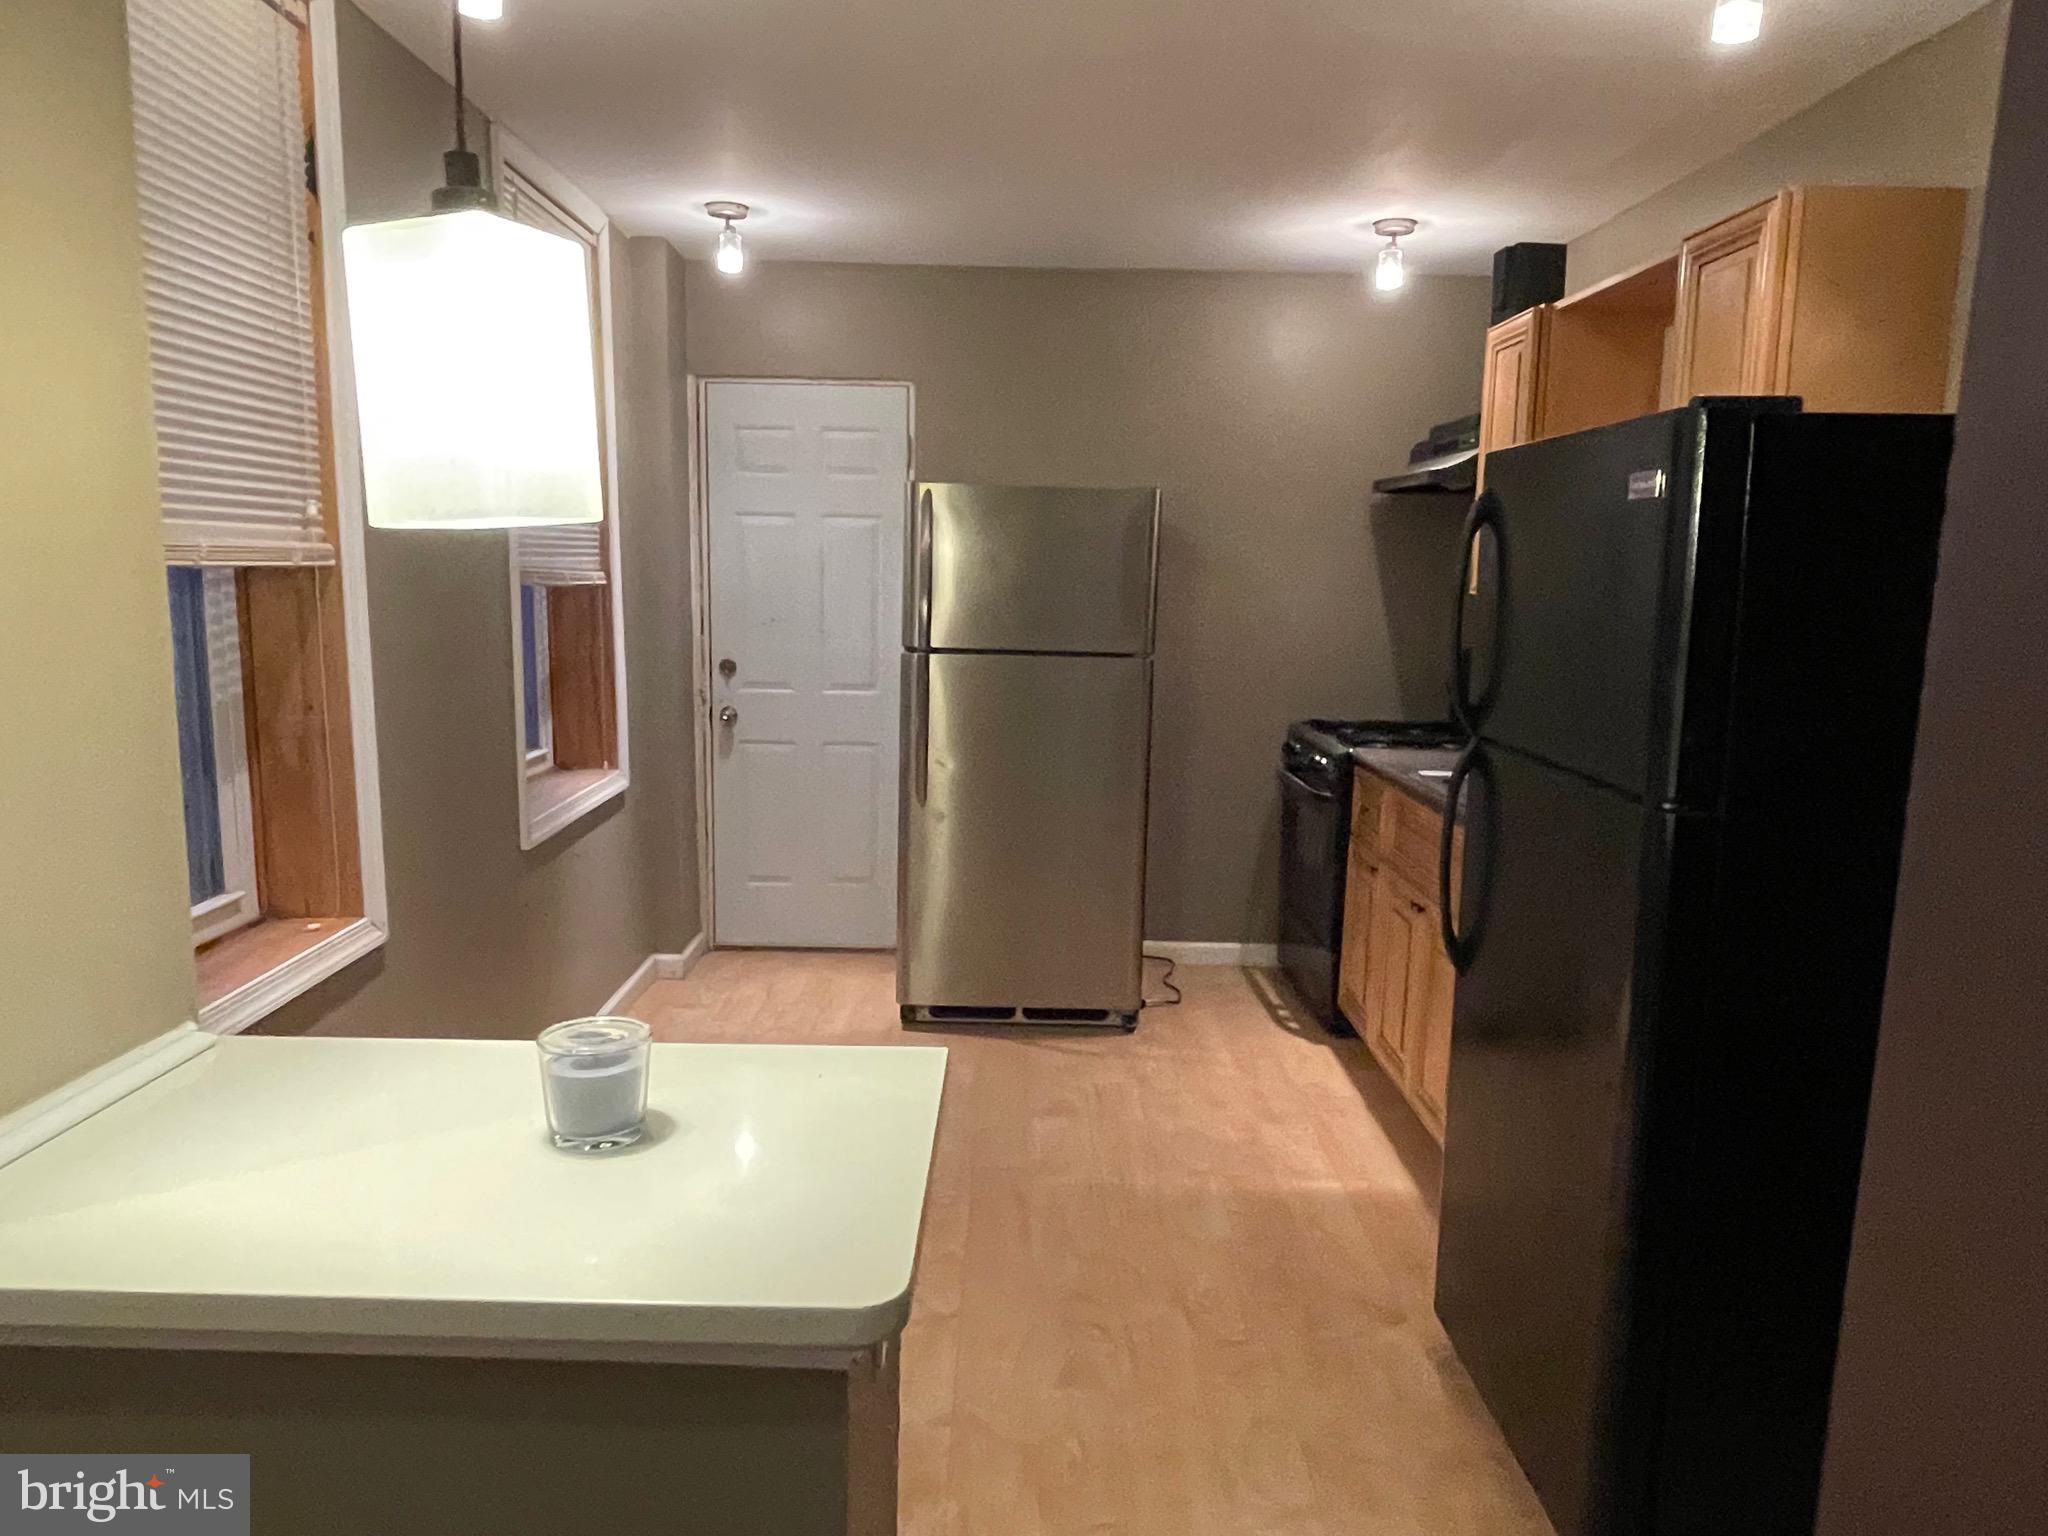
(559, 797)
(258, 969)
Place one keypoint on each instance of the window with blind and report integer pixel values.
(232, 274)
(220, 149)
(571, 554)
(566, 624)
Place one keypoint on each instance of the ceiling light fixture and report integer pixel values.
(1738, 21)
(481, 10)
(732, 252)
(1390, 273)
(475, 397)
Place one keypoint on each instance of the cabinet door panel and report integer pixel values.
(1730, 281)
(1510, 396)
(1353, 948)
(1430, 983)
(1507, 388)
(1386, 982)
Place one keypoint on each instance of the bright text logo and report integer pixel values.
(162, 1495)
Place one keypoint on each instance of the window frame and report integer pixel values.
(553, 798)
(541, 758)
(220, 626)
(328, 946)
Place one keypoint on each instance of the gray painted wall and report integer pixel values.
(487, 939)
(1938, 1411)
(1263, 405)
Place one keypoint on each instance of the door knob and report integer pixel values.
(728, 715)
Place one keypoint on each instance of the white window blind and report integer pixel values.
(220, 150)
(572, 554)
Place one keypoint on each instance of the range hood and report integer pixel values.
(1455, 471)
(1446, 460)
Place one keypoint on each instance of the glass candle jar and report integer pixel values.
(594, 1075)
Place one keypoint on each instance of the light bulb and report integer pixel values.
(1391, 271)
(1738, 21)
(732, 255)
(481, 10)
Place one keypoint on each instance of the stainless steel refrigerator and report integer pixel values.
(1027, 732)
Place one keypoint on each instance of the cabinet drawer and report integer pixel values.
(1409, 835)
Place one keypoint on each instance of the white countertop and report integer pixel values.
(401, 1194)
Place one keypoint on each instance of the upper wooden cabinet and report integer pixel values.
(1511, 395)
(1607, 350)
(1728, 289)
(1843, 296)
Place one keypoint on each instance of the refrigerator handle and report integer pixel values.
(1461, 948)
(924, 572)
(920, 726)
(1469, 712)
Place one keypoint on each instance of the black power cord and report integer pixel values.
(1166, 981)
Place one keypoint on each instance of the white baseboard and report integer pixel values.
(655, 968)
(1189, 953)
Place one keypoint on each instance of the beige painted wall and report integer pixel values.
(1923, 118)
(1263, 405)
(95, 941)
(487, 939)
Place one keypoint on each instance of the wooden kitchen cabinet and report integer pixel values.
(1389, 940)
(1728, 290)
(1394, 982)
(1431, 983)
(1359, 876)
(1843, 296)
(1511, 392)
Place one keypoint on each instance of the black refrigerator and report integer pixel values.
(1691, 667)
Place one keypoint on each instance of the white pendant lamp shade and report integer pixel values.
(475, 387)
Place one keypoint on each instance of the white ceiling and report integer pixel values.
(1245, 134)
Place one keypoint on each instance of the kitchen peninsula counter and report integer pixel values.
(364, 1262)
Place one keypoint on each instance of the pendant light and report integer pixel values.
(1738, 21)
(1390, 272)
(732, 253)
(475, 394)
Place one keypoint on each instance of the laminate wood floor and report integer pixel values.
(1174, 1283)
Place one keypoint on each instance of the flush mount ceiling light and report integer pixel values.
(1738, 21)
(481, 10)
(732, 253)
(474, 389)
(1390, 272)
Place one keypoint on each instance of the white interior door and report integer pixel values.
(807, 488)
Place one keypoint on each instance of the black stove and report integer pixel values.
(1315, 842)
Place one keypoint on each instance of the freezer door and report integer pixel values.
(1530, 1255)
(1023, 846)
(1028, 568)
(1571, 602)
